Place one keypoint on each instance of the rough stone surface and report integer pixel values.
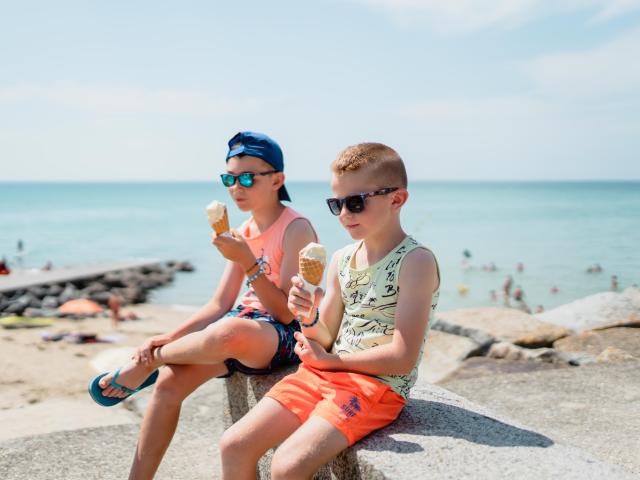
(602, 310)
(440, 435)
(595, 407)
(443, 354)
(506, 324)
(595, 342)
(484, 366)
(106, 453)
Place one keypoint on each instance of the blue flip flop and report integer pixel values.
(96, 391)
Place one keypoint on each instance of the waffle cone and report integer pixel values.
(311, 270)
(222, 225)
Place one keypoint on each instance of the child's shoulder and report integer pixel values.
(420, 263)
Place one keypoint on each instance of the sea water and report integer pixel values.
(555, 229)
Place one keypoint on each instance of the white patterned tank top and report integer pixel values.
(370, 297)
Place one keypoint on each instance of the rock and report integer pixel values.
(101, 297)
(594, 343)
(20, 304)
(506, 324)
(55, 290)
(70, 292)
(483, 339)
(633, 294)
(113, 280)
(180, 266)
(613, 354)
(443, 354)
(133, 294)
(479, 366)
(509, 351)
(94, 287)
(38, 292)
(50, 302)
(599, 311)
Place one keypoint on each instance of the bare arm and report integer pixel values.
(331, 307)
(297, 235)
(417, 281)
(219, 304)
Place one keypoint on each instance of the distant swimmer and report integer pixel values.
(594, 268)
(554, 290)
(614, 283)
(518, 293)
(520, 267)
(518, 296)
(466, 256)
(493, 296)
(20, 246)
(4, 268)
(506, 289)
(462, 289)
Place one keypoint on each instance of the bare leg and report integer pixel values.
(312, 445)
(246, 441)
(252, 342)
(174, 384)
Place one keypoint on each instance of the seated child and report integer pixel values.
(361, 349)
(253, 337)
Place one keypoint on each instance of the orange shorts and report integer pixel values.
(354, 403)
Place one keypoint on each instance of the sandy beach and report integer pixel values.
(44, 384)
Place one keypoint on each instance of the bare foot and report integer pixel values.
(132, 375)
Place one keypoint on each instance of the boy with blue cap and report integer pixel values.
(255, 336)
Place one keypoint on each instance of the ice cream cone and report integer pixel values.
(222, 225)
(311, 270)
(218, 217)
(311, 263)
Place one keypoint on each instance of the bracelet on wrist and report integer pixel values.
(309, 325)
(254, 277)
(257, 264)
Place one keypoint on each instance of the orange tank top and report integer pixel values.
(267, 248)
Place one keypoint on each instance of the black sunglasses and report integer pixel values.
(355, 203)
(245, 179)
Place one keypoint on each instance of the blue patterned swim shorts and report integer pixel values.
(286, 343)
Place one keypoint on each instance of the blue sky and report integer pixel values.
(465, 90)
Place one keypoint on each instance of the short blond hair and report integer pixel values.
(383, 161)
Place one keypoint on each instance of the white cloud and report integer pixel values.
(608, 70)
(114, 99)
(459, 16)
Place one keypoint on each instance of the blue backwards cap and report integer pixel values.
(259, 145)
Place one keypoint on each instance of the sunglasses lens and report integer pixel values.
(354, 204)
(227, 179)
(334, 205)
(245, 179)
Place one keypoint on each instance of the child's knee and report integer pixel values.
(234, 445)
(168, 388)
(285, 465)
(225, 338)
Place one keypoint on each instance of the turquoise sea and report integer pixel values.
(556, 229)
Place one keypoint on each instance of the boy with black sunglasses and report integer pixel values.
(255, 336)
(361, 348)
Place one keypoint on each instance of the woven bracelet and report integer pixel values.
(309, 325)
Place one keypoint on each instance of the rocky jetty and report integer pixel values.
(131, 285)
(473, 342)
